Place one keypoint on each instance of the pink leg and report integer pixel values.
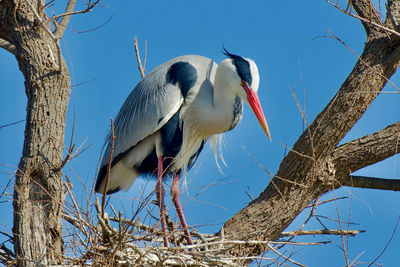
(160, 198)
(175, 200)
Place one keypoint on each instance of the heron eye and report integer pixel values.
(242, 83)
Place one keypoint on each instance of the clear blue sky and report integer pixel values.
(290, 44)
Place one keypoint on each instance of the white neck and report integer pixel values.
(215, 111)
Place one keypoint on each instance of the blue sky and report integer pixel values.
(290, 43)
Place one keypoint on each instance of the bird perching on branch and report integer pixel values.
(166, 120)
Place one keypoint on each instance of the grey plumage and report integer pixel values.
(166, 120)
(173, 111)
(146, 110)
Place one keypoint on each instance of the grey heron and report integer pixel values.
(165, 121)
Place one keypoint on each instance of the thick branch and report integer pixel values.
(372, 183)
(366, 9)
(8, 46)
(367, 150)
(393, 15)
(363, 152)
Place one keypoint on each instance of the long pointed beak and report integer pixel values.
(255, 105)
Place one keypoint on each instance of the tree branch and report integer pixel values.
(366, 10)
(323, 232)
(65, 19)
(372, 183)
(393, 14)
(66, 16)
(367, 150)
(367, 21)
(8, 46)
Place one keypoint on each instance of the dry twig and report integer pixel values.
(140, 66)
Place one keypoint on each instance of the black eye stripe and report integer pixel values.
(242, 66)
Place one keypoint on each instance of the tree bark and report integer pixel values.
(38, 194)
(313, 167)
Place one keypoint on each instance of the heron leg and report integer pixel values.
(175, 200)
(160, 198)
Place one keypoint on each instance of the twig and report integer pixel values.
(7, 257)
(69, 12)
(297, 152)
(242, 242)
(327, 201)
(323, 232)
(283, 256)
(77, 209)
(92, 29)
(387, 244)
(333, 220)
(10, 124)
(344, 248)
(11, 238)
(306, 121)
(141, 69)
(71, 144)
(362, 61)
(386, 29)
(271, 174)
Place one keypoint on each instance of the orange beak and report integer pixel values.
(255, 105)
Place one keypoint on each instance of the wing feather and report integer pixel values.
(147, 108)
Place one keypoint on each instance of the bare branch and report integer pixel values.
(10, 124)
(285, 257)
(366, 10)
(8, 46)
(323, 232)
(69, 13)
(65, 19)
(361, 60)
(387, 244)
(372, 183)
(367, 150)
(141, 69)
(393, 14)
(377, 23)
(92, 29)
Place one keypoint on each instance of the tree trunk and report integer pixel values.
(38, 194)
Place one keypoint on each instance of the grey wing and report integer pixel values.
(148, 107)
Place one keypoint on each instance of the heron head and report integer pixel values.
(245, 81)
